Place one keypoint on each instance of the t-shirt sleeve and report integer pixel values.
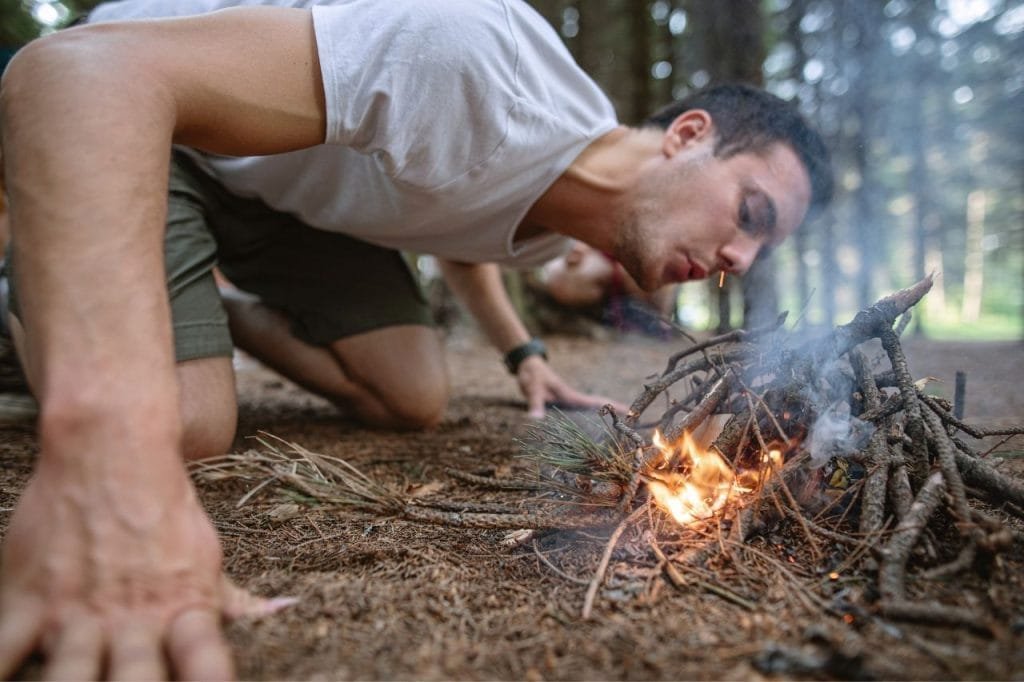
(413, 83)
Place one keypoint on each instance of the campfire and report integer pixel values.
(695, 485)
(831, 436)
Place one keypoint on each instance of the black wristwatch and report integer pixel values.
(515, 357)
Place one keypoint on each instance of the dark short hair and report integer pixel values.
(749, 119)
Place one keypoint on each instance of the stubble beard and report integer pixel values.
(639, 241)
(630, 250)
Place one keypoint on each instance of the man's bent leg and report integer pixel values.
(401, 369)
(391, 377)
(340, 317)
(208, 406)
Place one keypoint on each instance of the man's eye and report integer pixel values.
(749, 223)
(746, 222)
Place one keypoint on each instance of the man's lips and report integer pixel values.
(676, 271)
(683, 270)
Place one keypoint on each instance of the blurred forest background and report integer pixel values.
(921, 103)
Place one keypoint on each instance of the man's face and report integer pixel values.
(696, 214)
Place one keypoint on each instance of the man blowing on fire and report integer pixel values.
(458, 128)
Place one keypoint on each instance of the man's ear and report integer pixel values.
(690, 127)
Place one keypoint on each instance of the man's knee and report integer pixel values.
(208, 406)
(420, 403)
(205, 437)
(415, 404)
(401, 375)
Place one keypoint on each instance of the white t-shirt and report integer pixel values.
(446, 121)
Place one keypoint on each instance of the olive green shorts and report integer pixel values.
(329, 285)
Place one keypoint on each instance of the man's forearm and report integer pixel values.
(482, 291)
(87, 209)
(480, 288)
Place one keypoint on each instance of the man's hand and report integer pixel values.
(480, 288)
(127, 575)
(541, 385)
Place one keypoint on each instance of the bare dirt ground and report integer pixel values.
(389, 599)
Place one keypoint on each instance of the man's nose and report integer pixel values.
(739, 253)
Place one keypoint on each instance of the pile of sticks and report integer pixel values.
(918, 474)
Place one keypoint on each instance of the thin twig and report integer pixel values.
(557, 571)
(682, 583)
(706, 406)
(735, 336)
(602, 566)
(973, 431)
(495, 483)
(655, 388)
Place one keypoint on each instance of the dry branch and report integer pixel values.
(334, 483)
(892, 574)
(867, 323)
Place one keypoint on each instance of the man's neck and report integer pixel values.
(586, 200)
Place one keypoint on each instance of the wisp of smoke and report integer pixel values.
(836, 433)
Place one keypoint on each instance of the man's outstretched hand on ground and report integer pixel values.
(116, 578)
(541, 386)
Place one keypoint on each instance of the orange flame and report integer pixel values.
(701, 483)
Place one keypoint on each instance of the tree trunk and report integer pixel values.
(735, 51)
(926, 258)
(723, 297)
(974, 259)
(640, 59)
(829, 268)
(550, 10)
(935, 303)
(919, 187)
(801, 239)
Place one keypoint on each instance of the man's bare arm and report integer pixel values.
(108, 554)
(480, 288)
(88, 118)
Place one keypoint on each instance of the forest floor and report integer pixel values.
(384, 598)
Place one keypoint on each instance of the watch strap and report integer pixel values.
(515, 357)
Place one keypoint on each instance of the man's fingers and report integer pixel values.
(136, 654)
(599, 401)
(197, 648)
(535, 400)
(573, 397)
(20, 626)
(76, 652)
(239, 602)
